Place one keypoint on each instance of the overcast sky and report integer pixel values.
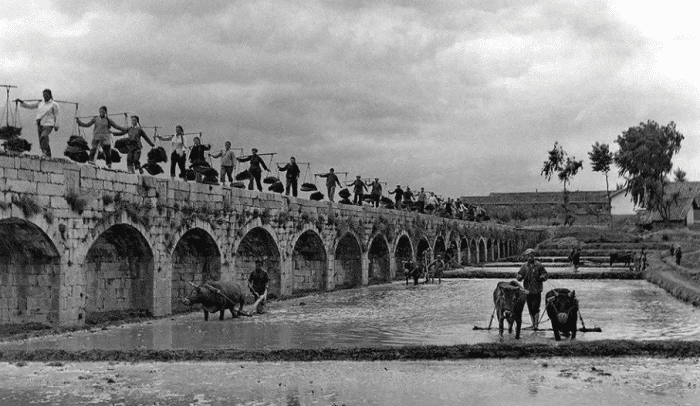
(461, 97)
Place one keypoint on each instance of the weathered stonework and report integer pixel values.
(76, 241)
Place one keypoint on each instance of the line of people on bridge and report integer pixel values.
(104, 128)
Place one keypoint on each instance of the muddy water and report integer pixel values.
(395, 315)
(540, 382)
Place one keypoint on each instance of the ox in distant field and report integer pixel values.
(562, 309)
(509, 299)
(624, 257)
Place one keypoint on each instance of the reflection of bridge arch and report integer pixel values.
(348, 261)
(119, 272)
(196, 258)
(379, 259)
(403, 251)
(309, 262)
(258, 243)
(30, 267)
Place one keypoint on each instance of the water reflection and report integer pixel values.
(396, 315)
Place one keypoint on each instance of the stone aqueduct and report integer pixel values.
(78, 241)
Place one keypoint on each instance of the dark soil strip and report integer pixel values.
(478, 274)
(605, 348)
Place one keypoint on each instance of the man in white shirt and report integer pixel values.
(178, 157)
(46, 120)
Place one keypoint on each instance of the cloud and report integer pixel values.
(462, 98)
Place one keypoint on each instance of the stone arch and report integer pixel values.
(118, 269)
(439, 247)
(489, 250)
(482, 250)
(379, 260)
(474, 249)
(110, 222)
(452, 253)
(258, 243)
(30, 267)
(348, 261)
(423, 249)
(403, 251)
(309, 262)
(196, 258)
(466, 252)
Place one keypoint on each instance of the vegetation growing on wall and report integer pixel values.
(27, 204)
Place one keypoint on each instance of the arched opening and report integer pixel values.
(474, 249)
(258, 244)
(482, 251)
(501, 249)
(378, 255)
(489, 250)
(404, 252)
(196, 259)
(451, 254)
(118, 275)
(423, 249)
(29, 274)
(348, 263)
(439, 248)
(466, 254)
(309, 263)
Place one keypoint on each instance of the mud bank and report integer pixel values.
(553, 274)
(603, 348)
(671, 279)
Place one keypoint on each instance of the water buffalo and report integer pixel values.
(217, 296)
(509, 299)
(624, 257)
(562, 309)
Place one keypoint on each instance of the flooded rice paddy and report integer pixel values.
(397, 315)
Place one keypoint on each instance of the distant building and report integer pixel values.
(684, 207)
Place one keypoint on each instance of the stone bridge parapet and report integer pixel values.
(77, 241)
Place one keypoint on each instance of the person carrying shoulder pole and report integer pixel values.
(292, 176)
(101, 136)
(46, 119)
(135, 132)
(255, 163)
(331, 181)
(179, 155)
(532, 273)
(359, 187)
(228, 162)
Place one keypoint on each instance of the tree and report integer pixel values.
(601, 161)
(680, 175)
(645, 159)
(566, 168)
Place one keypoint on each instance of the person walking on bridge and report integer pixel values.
(228, 162)
(135, 133)
(533, 274)
(376, 192)
(178, 157)
(101, 136)
(292, 176)
(398, 196)
(46, 119)
(358, 187)
(331, 181)
(255, 168)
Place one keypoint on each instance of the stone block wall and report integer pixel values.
(111, 239)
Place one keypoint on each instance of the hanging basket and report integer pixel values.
(153, 168)
(16, 146)
(245, 175)
(316, 196)
(344, 193)
(158, 155)
(270, 180)
(9, 132)
(308, 187)
(78, 142)
(189, 174)
(114, 156)
(276, 187)
(238, 185)
(122, 145)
